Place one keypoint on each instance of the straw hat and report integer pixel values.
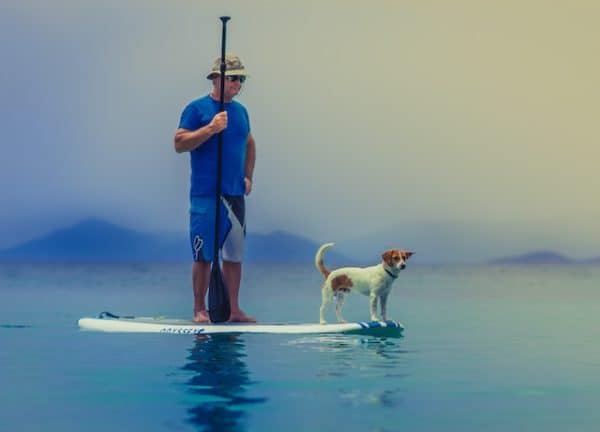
(233, 66)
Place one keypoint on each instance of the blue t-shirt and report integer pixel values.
(203, 160)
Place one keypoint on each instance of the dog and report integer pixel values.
(375, 281)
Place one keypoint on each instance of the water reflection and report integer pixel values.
(367, 371)
(352, 356)
(221, 380)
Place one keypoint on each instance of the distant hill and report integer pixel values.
(591, 261)
(283, 247)
(96, 240)
(445, 242)
(535, 258)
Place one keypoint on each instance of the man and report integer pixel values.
(199, 127)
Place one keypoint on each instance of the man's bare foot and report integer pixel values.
(241, 317)
(201, 317)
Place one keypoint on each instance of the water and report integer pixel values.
(485, 348)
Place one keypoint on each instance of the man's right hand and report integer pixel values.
(219, 122)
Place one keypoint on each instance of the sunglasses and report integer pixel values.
(234, 78)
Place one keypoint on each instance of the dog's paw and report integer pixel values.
(322, 322)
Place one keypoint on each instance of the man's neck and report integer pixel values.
(215, 95)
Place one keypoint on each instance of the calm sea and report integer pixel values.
(485, 349)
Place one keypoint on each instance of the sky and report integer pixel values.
(415, 118)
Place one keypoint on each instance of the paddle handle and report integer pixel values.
(223, 65)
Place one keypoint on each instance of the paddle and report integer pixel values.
(218, 297)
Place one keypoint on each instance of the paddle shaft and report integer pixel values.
(218, 192)
(219, 308)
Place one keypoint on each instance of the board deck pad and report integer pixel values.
(107, 322)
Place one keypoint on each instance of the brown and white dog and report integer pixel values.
(375, 281)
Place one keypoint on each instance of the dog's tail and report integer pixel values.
(319, 259)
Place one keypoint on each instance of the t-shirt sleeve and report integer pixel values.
(247, 119)
(190, 118)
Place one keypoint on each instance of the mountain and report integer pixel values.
(535, 258)
(445, 242)
(96, 240)
(591, 261)
(282, 247)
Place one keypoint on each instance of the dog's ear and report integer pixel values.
(387, 256)
(409, 254)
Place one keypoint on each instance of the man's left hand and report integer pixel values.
(248, 184)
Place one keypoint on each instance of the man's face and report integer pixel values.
(233, 85)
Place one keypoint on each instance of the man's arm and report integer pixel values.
(250, 161)
(187, 140)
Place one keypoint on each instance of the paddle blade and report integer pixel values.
(218, 297)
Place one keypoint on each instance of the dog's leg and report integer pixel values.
(384, 299)
(339, 296)
(373, 302)
(326, 298)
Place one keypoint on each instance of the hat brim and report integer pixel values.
(238, 72)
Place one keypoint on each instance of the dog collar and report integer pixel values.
(391, 274)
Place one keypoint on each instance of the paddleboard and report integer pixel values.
(108, 322)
